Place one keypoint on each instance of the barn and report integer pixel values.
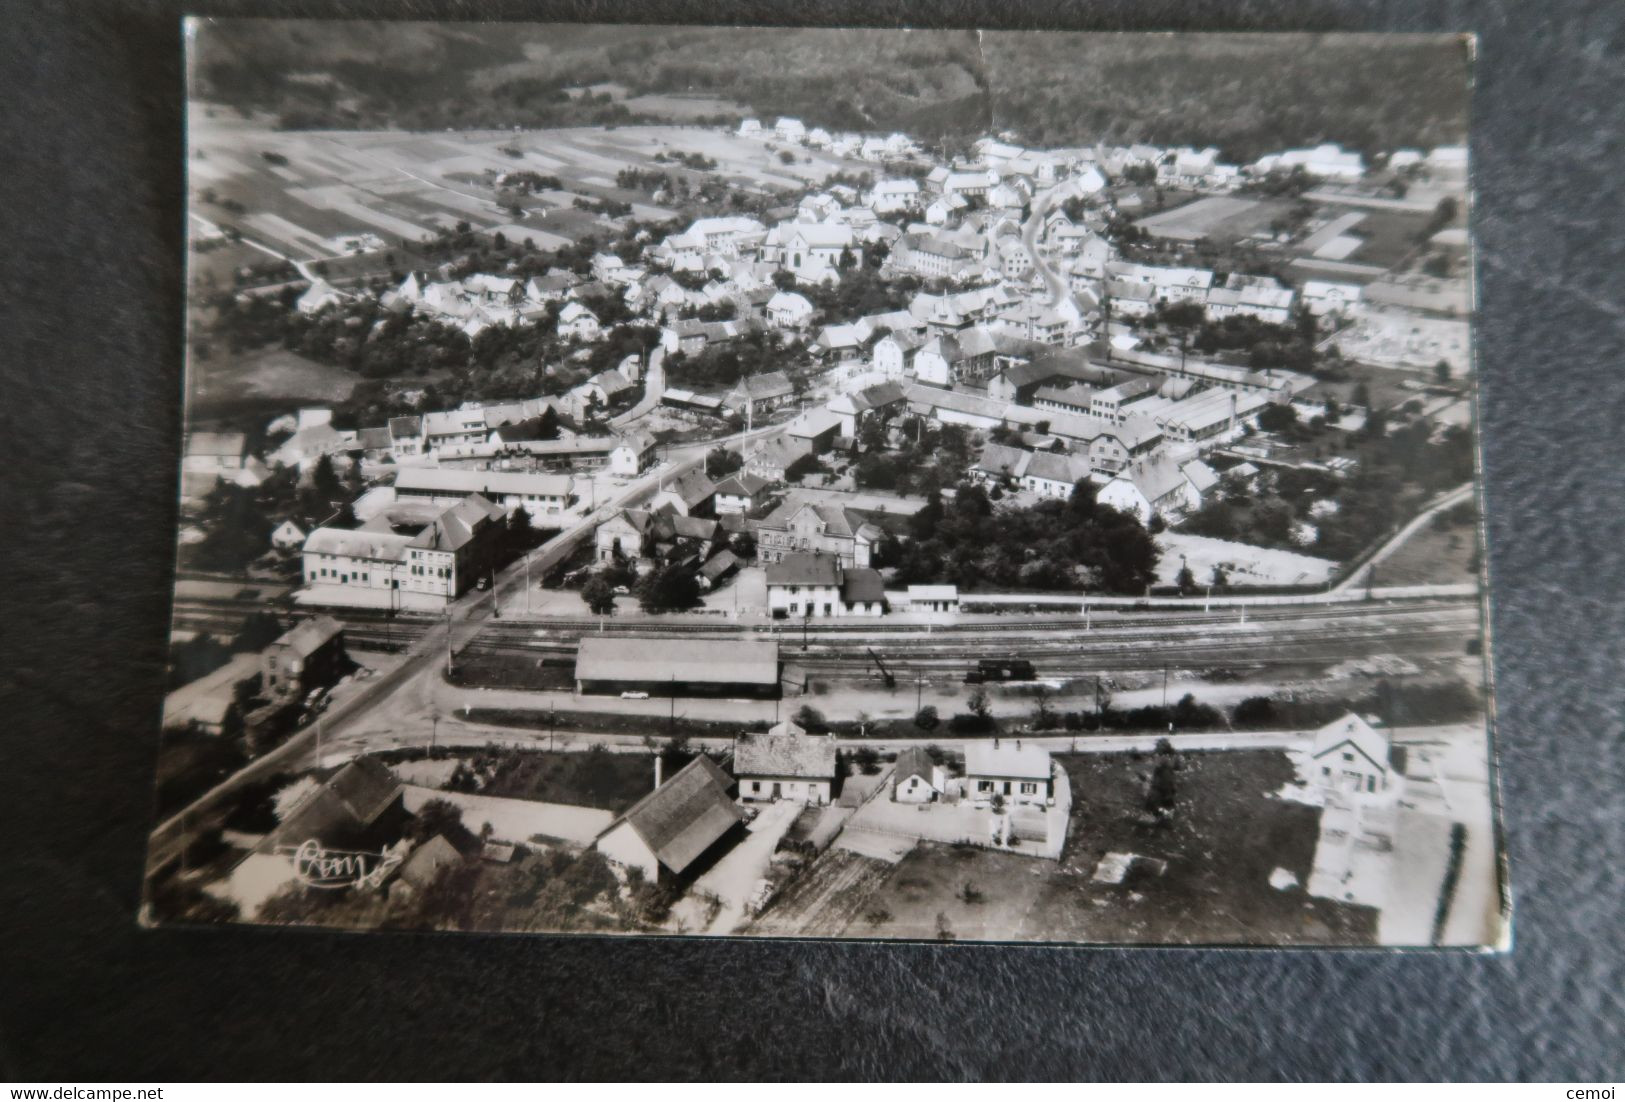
(684, 666)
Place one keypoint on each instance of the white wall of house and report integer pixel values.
(753, 788)
(626, 847)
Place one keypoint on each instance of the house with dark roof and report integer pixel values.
(691, 494)
(803, 585)
(758, 394)
(666, 832)
(789, 766)
(818, 527)
(455, 548)
(739, 493)
(917, 779)
(306, 657)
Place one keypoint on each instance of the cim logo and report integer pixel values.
(333, 869)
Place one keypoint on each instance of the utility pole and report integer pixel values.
(1165, 685)
(318, 742)
(448, 641)
(671, 695)
(919, 690)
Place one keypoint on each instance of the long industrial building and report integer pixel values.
(678, 667)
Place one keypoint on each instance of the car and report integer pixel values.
(622, 591)
(483, 584)
(634, 695)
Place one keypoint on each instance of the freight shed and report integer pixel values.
(678, 667)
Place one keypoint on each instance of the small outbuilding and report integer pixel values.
(917, 779)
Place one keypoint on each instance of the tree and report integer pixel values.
(1186, 580)
(325, 479)
(979, 705)
(1162, 793)
(809, 718)
(1277, 417)
(519, 523)
(926, 718)
(599, 596)
(259, 631)
(670, 589)
(1044, 718)
(1441, 371)
(1218, 579)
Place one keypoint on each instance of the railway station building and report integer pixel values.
(679, 666)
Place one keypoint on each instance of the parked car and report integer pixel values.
(634, 695)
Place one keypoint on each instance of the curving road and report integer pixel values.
(1058, 288)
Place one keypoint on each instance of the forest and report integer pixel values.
(1246, 94)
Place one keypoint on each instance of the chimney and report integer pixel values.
(658, 764)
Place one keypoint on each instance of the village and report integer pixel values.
(911, 479)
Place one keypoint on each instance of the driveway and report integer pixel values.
(734, 877)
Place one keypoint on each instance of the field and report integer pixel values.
(1204, 879)
(271, 377)
(1432, 555)
(1220, 217)
(300, 192)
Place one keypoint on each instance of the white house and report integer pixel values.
(917, 779)
(790, 130)
(1017, 773)
(788, 310)
(785, 764)
(287, 537)
(813, 252)
(576, 322)
(816, 586)
(1351, 756)
(889, 196)
(1147, 487)
(750, 128)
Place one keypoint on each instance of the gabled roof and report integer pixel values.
(311, 636)
(692, 487)
(1007, 758)
(350, 801)
(1357, 733)
(683, 817)
(492, 484)
(454, 528)
(741, 484)
(914, 761)
(862, 583)
(804, 568)
(216, 443)
(357, 544)
(405, 428)
(787, 755)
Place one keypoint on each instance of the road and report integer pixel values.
(1041, 203)
(1446, 500)
(654, 386)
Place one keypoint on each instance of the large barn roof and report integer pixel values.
(679, 820)
(722, 661)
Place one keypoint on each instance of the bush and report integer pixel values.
(926, 718)
(968, 723)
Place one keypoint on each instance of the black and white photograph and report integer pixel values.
(922, 485)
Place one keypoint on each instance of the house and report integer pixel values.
(819, 528)
(758, 394)
(1052, 475)
(669, 829)
(211, 705)
(917, 779)
(1148, 487)
(539, 493)
(814, 253)
(576, 322)
(455, 548)
(788, 310)
(789, 766)
(893, 355)
(1017, 773)
(889, 196)
(750, 128)
(631, 454)
(1322, 298)
(789, 130)
(320, 295)
(663, 535)
(1353, 757)
(769, 459)
(933, 598)
(209, 452)
(818, 585)
(882, 400)
(690, 494)
(814, 430)
(946, 360)
(739, 493)
(287, 537)
(307, 657)
(405, 436)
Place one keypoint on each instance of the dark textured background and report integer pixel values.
(90, 206)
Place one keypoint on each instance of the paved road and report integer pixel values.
(654, 386)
